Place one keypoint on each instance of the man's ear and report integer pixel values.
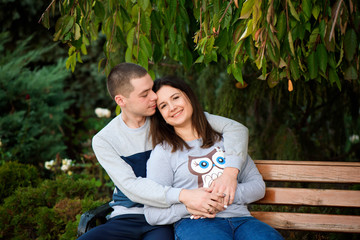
(120, 100)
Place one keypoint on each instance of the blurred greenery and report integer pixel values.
(47, 113)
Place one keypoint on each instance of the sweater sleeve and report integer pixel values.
(160, 170)
(137, 189)
(236, 137)
(251, 186)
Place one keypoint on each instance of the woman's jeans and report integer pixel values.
(240, 228)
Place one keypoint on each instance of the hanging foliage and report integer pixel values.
(287, 40)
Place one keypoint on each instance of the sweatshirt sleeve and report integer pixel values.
(137, 189)
(236, 138)
(160, 170)
(251, 186)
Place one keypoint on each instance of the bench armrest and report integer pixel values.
(91, 218)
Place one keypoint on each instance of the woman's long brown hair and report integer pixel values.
(162, 132)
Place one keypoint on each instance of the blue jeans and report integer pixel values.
(240, 228)
(129, 227)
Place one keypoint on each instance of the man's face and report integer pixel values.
(142, 100)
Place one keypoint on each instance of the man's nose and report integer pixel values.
(153, 95)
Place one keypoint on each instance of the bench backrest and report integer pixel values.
(340, 174)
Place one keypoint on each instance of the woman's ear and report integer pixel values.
(120, 100)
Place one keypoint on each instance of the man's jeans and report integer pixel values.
(241, 228)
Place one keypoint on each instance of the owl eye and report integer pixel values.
(204, 164)
(219, 159)
(201, 165)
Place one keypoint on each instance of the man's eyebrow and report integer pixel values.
(146, 90)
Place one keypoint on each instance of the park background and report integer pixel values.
(297, 93)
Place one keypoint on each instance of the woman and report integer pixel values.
(189, 154)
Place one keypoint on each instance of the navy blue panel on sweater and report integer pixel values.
(138, 164)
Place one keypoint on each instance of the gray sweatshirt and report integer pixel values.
(196, 168)
(123, 153)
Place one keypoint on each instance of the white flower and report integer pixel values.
(66, 164)
(354, 138)
(102, 112)
(64, 168)
(49, 164)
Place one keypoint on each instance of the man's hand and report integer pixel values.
(195, 214)
(226, 185)
(201, 200)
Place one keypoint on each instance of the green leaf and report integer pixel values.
(99, 10)
(316, 11)
(293, 11)
(249, 30)
(145, 23)
(306, 7)
(333, 77)
(200, 59)
(144, 4)
(236, 71)
(313, 65)
(172, 34)
(250, 49)
(281, 26)
(145, 45)
(294, 69)
(322, 57)
(291, 43)
(351, 73)
(350, 44)
(247, 9)
(143, 59)
(128, 55)
(273, 78)
(77, 34)
(67, 24)
(130, 37)
(45, 20)
(313, 38)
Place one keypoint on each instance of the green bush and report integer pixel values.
(14, 175)
(49, 211)
(32, 102)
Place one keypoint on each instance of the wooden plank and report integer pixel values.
(311, 197)
(310, 222)
(307, 171)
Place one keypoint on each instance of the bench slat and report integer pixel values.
(311, 197)
(307, 171)
(310, 222)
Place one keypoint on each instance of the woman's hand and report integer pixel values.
(226, 185)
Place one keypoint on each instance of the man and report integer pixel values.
(123, 146)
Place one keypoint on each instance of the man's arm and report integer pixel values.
(137, 189)
(251, 185)
(235, 137)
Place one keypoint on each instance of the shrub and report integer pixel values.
(49, 211)
(14, 175)
(33, 101)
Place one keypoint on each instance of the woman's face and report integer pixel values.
(174, 106)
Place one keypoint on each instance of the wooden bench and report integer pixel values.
(339, 176)
(282, 174)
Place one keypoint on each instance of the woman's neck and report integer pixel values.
(187, 133)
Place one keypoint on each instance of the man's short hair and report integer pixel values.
(118, 81)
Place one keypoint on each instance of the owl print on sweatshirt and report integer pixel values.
(208, 167)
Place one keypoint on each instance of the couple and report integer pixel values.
(178, 188)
